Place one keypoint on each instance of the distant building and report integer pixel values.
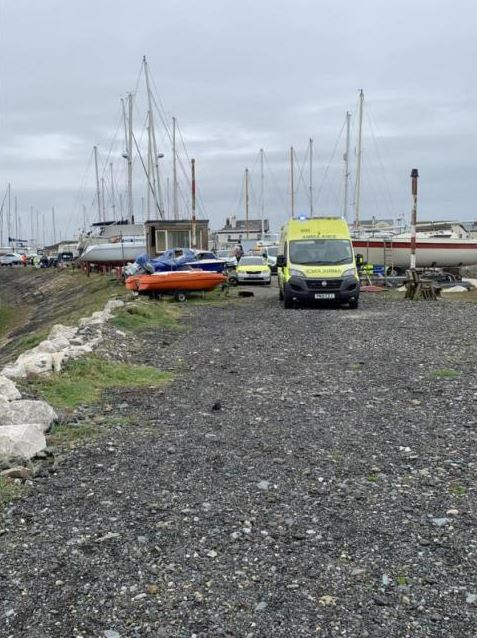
(238, 230)
(376, 224)
(164, 234)
(65, 246)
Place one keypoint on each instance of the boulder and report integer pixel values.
(65, 332)
(112, 304)
(8, 390)
(27, 411)
(29, 362)
(22, 440)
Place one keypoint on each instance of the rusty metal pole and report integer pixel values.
(414, 178)
(194, 233)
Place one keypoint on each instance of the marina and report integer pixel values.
(238, 282)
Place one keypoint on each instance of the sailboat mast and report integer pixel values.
(292, 182)
(130, 165)
(113, 198)
(156, 182)
(358, 165)
(16, 219)
(346, 166)
(262, 195)
(53, 224)
(98, 194)
(311, 177)
(194, 232)
(103, 209)
(246, 202)
(174, 171)
(9, 218)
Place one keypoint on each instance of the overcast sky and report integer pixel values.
(240, 76)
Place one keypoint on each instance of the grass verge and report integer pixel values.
(445, 373)
(7, 318)
(83, 381)
(147, 314)
(8, 492)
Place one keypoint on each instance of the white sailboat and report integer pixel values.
(393, 250)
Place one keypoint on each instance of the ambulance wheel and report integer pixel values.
(287, 299)
(353, 304)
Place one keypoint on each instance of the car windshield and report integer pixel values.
(252, 261)
(321, 251)
(272, 251)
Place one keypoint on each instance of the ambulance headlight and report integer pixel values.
(296, 273)
(351, 272)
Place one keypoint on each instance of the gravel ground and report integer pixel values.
(308, 473)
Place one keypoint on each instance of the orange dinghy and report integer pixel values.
(169, 282)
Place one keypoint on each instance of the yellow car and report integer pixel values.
(253, 270)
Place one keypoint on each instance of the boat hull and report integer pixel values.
(167, 282)
(430, 252)
(114, 254)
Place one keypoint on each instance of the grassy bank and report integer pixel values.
(84, 380)
(37, 299)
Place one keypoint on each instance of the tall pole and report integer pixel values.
(292, 182)
(84, 217)
(130, 165)
(98, 193)
(414, 178)
(37, 227)
(9, 217)
(346, 165)
(149, 168)
(16, 219)
(358, 164)
(174, 171)
(246, 202)
(103, 206)
(32, 225)
(311, 177)
(194, 232)
(53, 224)
(113, 197)
(262, 194)
(168, 197)
(156, 182)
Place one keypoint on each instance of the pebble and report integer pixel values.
(110, 633)
(263, 485)
(261, 606)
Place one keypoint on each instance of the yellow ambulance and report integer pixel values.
(316, 262)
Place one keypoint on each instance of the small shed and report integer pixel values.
(164, 234)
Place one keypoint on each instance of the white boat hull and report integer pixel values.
(118, 253)
(430, 252)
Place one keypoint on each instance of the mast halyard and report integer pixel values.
(292, 182)
(311, 177)
(98, 193)
(262, 196)
(346, 166)
(113, 198)
(246, 202)
(130, 164)
(175, 207)
(156, 181)
(358, 164)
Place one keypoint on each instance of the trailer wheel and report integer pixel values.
(180, 296)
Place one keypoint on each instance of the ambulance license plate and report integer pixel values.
(324, 295)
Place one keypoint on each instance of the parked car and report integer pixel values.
(254, 269)
(11, 259)
(230, 259)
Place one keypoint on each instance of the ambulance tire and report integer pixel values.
(287, 299)
(354, 304)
